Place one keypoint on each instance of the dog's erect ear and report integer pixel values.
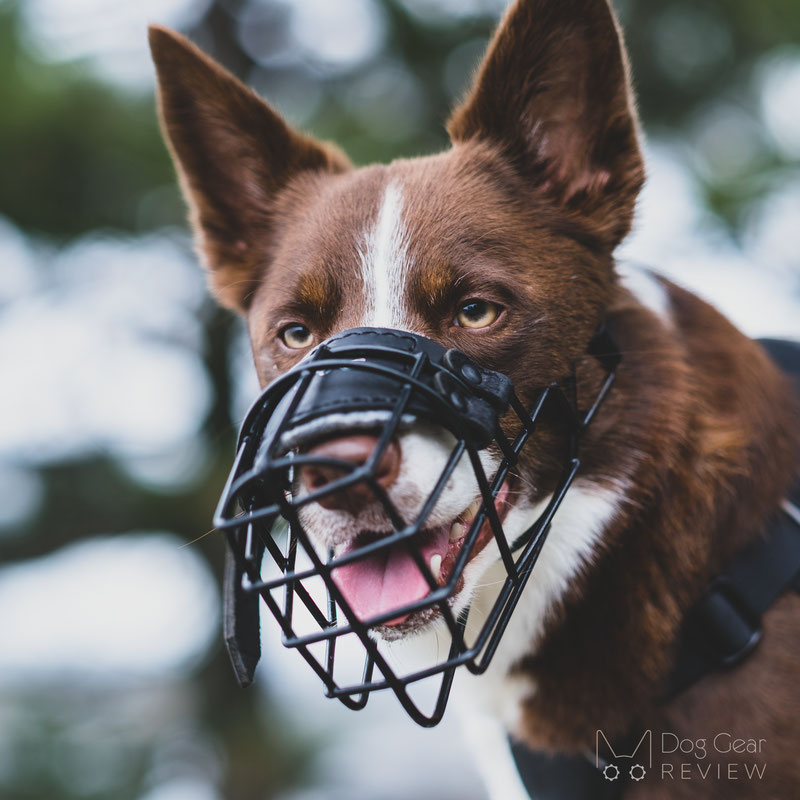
(554, 93)
(233, 154)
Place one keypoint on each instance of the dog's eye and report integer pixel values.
(476, 313)
(296, 336)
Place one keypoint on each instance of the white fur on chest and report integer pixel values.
(571, 546)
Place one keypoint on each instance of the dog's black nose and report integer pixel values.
(357, 450)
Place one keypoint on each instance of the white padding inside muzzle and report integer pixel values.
(337, 424)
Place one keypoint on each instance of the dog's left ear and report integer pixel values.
(554, 93)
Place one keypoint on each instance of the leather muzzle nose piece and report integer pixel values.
(357, 379)
(356, 450)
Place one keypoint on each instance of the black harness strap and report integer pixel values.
(724, 627)
(721, 630)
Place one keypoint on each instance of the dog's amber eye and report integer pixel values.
(477, 314)
(296, 336)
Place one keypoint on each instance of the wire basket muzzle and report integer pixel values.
(379, 382)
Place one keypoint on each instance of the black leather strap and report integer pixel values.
(724, 627)
(241, 627)
(474, 397)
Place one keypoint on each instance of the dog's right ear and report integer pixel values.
(233, 155)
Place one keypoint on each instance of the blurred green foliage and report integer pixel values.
(79, 154)
(76, 154)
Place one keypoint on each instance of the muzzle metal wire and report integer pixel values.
(261, 504)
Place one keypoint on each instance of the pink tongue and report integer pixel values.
(389, 579)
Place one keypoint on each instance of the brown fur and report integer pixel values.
(525, 210)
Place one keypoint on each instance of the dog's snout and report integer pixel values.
(357, 450)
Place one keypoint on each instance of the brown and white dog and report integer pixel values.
(503, 246)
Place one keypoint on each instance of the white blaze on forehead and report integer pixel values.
(384, 264)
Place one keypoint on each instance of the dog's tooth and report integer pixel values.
(457, 530)
(472, 511)
(436, 566)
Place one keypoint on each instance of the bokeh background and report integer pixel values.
(121, 385)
